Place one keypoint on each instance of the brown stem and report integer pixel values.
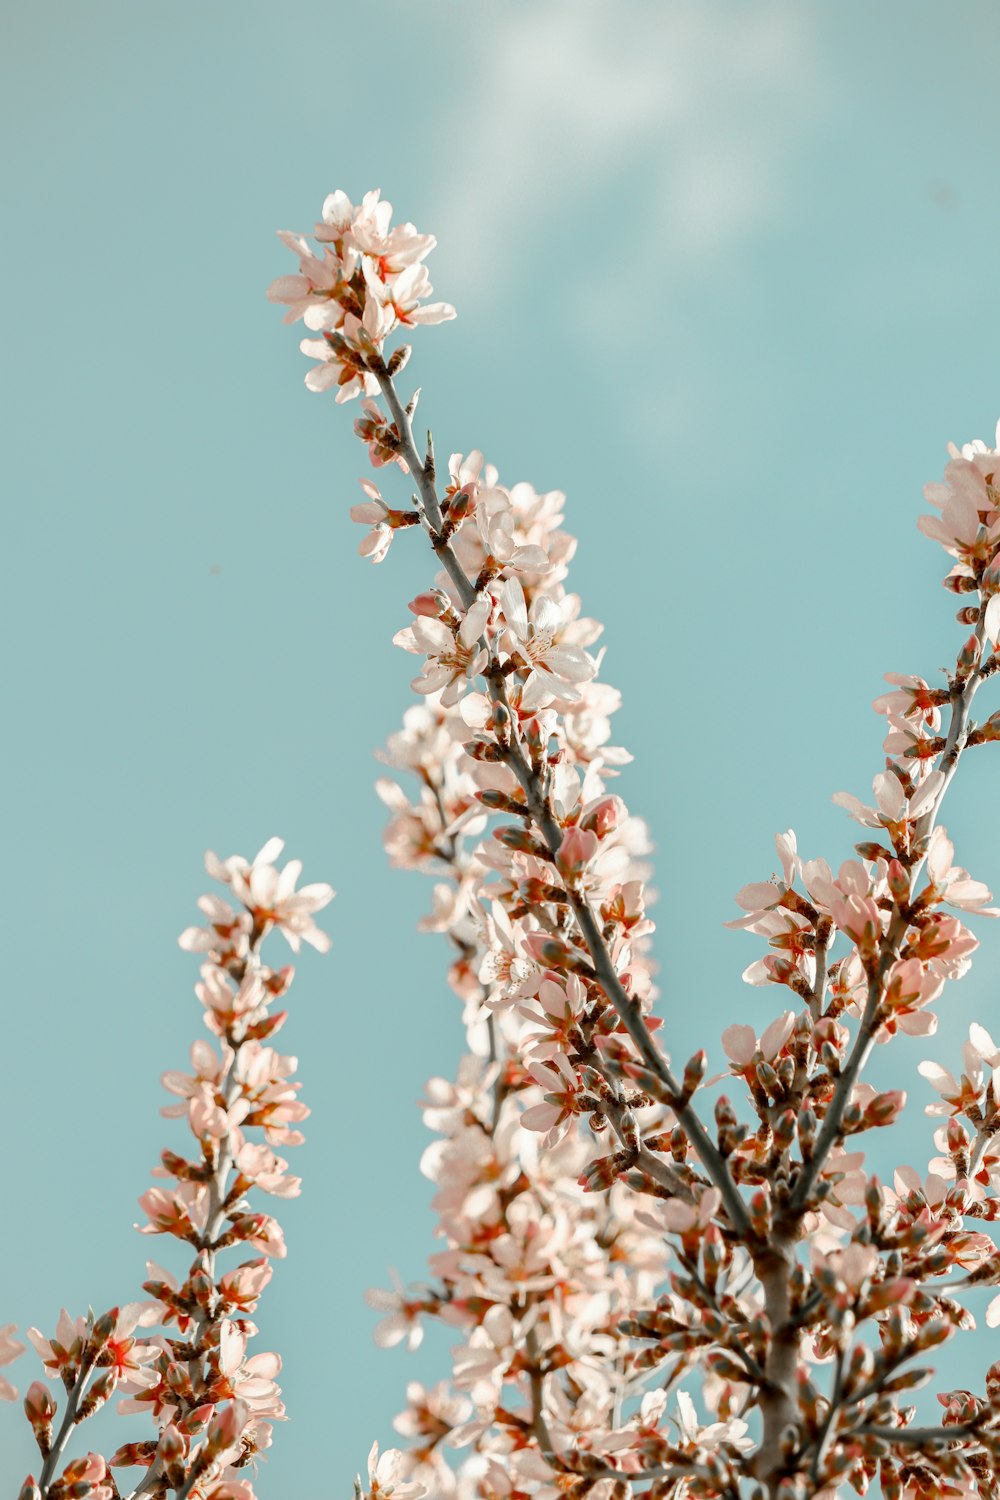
(626, 1006)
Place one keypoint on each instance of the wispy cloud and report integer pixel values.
(699, 105)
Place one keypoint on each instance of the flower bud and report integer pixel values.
(577, 848)
(968, 657)
(784, 1130)
(432, 604)
(40, 1409)
(760, 1214)
(694, 1072)
(483, 750)
(883, 1109)
(398, 359)
(500, 802)
(521, 841)
(100, 1389)
(872, 852)
(172, 1444)
(604, 816)
(899, 881)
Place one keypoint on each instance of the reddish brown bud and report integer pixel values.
(500, 802)
(968, 656)
(535, 892)
(100, 1389)
(483, 750)
(40, 1409)
(461, 505)
(760, 1215)
(172, 1444)
(262, 1029)
(398, 359)
(694, 1072)
(872, 851)
(130, 1454)
(899, 882)
(521, 840)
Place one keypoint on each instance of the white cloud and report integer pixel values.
(700, 105)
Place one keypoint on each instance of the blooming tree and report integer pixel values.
(211, 1403)
(657, 1288)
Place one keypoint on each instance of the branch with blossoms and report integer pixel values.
(754, 1253)
(210, 1403)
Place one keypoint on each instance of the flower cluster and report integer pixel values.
(742, 1248)
(211, 1403)
(359, 281)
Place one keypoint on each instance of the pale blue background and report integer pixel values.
(726, 273)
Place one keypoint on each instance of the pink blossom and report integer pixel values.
(10, 1349)
(387, 1477)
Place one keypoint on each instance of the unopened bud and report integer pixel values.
(432, 604)
(604, 816)
(872, 851)
(784, 1130)
(100, 1389)
(532, 732)
(884, 1108)
(899, 881)
(224, 1428)
(552, 953)
(180, 1167)
(760, 1214)
(398, 359)
(968, 656)
(767, 1077)
(725, 1115)
(986, 732)
(461, 505)
(577, 848)
(172, 1444)
(520, 840)
(483, 750)
(178, 1379)
(500, 802)
(536, 892)
(873, 1201)
(266, 1027)
(40, 1409)
(694, 1072)
(830, 1058)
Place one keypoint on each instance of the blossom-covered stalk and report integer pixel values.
(210, 1403)
(753, 1256)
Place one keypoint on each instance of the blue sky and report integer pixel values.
(725, 273)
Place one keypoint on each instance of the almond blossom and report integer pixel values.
(609, 1227)
(210, 1402)
(10, 1349)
